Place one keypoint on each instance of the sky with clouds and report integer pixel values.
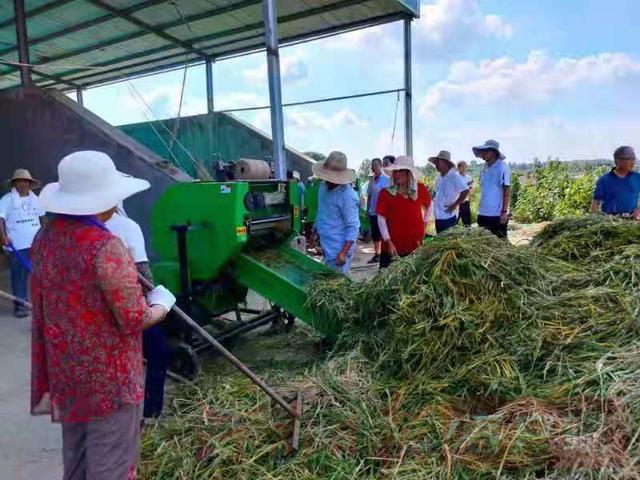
(545, 78)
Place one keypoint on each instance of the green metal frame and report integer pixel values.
(220, 246)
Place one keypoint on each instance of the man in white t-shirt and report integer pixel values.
(464, 213)
(131, 235)
(154, 340)
(495, 189)
(450, 192)
(21, 216)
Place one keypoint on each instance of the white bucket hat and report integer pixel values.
(488, 145)
(334, 169)
(88, 183)
(443, 155)
(404, 162)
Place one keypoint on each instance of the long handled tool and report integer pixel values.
(15, 299)
(228, 355)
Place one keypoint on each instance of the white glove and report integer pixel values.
(161, 296)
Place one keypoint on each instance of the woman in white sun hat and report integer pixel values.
(338, 217)
(88, 316)
(402, 210)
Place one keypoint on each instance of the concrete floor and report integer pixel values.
(30, 447)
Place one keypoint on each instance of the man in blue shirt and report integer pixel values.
(337, 220)
(377, 182)
(495, 189)
(617, 192)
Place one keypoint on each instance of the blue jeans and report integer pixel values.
(19, 278)
(156, 351)
(344, 269)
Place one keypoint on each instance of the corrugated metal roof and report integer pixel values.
(89, 42)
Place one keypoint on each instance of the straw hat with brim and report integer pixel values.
(443, 155)
(22, 174)
(334, 169)
(488, 145)
(403, 163)
(88, 183)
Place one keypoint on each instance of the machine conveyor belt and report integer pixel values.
(281, 275)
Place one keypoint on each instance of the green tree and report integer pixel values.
(318, 157)
(364, 170)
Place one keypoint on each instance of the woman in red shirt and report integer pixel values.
(402, 211)
(88, 317)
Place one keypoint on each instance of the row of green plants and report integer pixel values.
(549, 191)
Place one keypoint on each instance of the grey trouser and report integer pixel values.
(104, 449)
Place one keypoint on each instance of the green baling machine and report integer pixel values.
(218, 240)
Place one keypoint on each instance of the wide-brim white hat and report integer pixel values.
(334, 169)
(88, 183)
(404, 162)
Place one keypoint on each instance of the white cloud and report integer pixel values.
(293, 69)
(542, 137)
(445, 28)
(540, 78)
(312, 119)
(454, 24)
(231, 100)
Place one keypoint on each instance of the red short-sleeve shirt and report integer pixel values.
(405, 217)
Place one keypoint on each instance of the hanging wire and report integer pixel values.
(176, 125)
(395, 119)
(133, 93)
(161, 123)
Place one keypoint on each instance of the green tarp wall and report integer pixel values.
(208, 138)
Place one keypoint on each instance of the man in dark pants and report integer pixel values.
(464, 213)
(155, 347)
(495, 186)
(450, 192)
(21, 216)
(377, 182)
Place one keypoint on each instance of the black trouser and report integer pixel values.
(464, 213)
(156, 351)
(494, 225)
(386, 259)
(442, 225)
(375, 229)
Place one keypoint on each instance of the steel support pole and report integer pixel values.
(275, 90)
(79, 98)
(22, 42)
(408, 114)
(208, 66)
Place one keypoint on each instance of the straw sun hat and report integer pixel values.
(443, 155)
(334, 169)
(23, 174)
(88, 183)
(404, 163)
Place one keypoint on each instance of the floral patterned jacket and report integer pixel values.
(88, 316)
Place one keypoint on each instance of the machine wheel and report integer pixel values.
(184, 361)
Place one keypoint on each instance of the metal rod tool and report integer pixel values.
(228, 355)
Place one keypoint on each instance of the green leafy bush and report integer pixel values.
(551, 192)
